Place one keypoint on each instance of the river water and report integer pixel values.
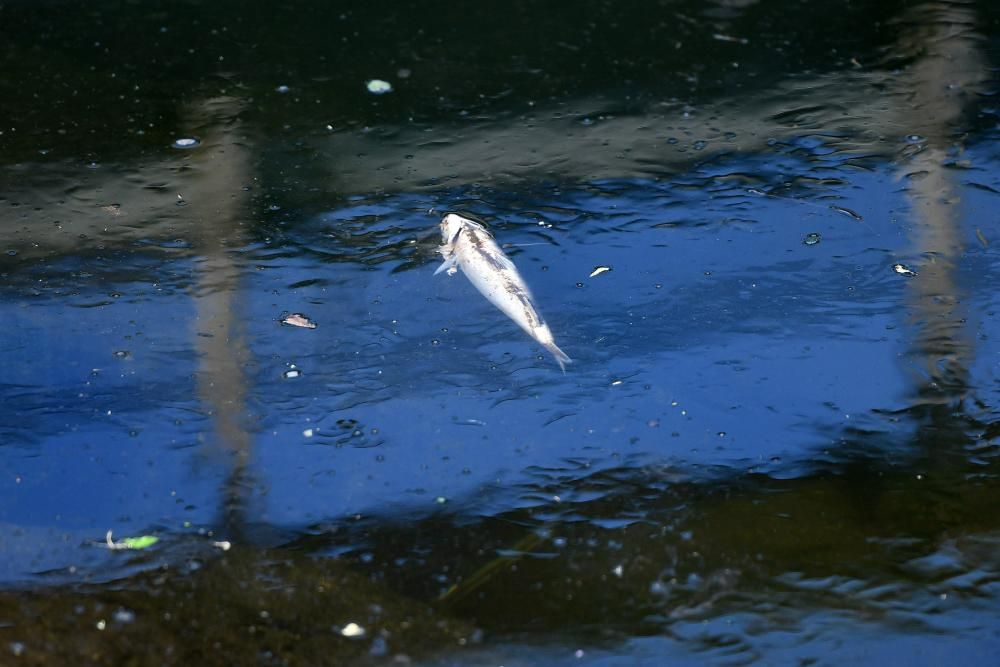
(766, 233)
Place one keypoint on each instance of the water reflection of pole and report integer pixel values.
(220, 170)
(934, 89)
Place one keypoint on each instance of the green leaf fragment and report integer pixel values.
(141, 542)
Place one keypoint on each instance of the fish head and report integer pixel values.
(451, 225)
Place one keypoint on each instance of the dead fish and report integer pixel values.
(468, 246)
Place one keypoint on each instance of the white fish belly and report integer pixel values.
(504, 289)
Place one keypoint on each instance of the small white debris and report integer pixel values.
(298, 320)
(721, 37)
(101, 624)
(598, 270)
(619, 571)
(308, 433)
(903, 270)
(440, 500)
(378, 87)
(225, 545)
(292, 372)
(352, 630)
(186, 142)
(282, 89)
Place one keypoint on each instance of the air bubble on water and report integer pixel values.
(122, 354)
(186, 142)
(914, 139)
(12, 253)
(812, 238)
(123, 615)
(379, 648)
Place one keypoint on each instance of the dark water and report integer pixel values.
(778, 441)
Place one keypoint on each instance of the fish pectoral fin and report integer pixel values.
(448, 265)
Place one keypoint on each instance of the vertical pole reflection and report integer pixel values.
(220, 169)
(947, 67)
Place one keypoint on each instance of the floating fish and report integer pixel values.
(468, 246)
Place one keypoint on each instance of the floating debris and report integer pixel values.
(378, 87)
(812, 238)
(282, 89)
(598, 270)
(982, 238)
(298, 320)
(225, 545)
(113, 210)
(185, 143)
(141, 542)
(470, 422)
(903, 270)
(352, 630)
(292, 372)
(846, 211)
(720, 37)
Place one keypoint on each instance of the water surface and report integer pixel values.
(778, 439)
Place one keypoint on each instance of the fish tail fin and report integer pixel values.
(561, 357)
